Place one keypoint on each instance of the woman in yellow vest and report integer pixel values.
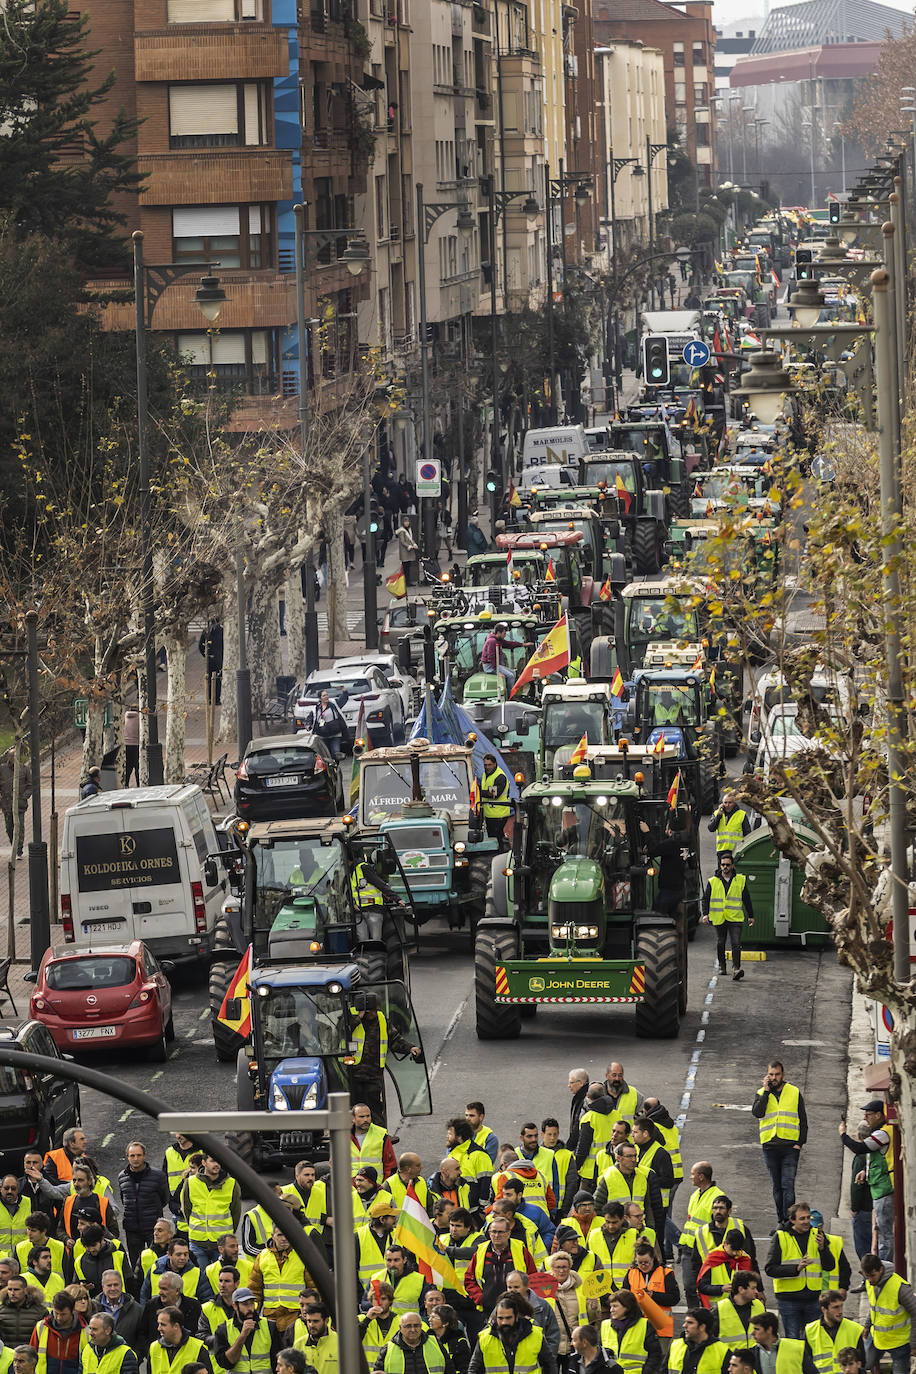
(726, 905)
(890, 1312)
(630, 1337)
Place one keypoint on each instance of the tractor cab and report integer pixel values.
(563, 549)
(570, 711)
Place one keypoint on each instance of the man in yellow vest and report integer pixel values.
(481, 1134)
(626, 1100)
(473, 1158)
(798, 1259)
(379, 1324)
(400, 1271)
(14, 1212)
(175, 1347)
(105, 1352)
(736, 1310)
(211, 1204)
(774, 1354)
(596, 1127)
(783, 1126)
(249, 1343)
(494, 796)
(832, 1333)
(625, 1180)
(699, 1211)
(729, 823)
(230, 1256)
(670, 1138)
(613, 1243)
(277, 1277)
(697, 1352)
(412, 1347)
(510, 1341)
(711, 1235)
(374, 1038)
(726, 905)
(219, 1310)
(370, 1144)
(891, 1322)
(320, 1345)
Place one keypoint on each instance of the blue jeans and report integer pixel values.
(861, 1233)
(203, 1253)
(783, 1166)
(900, 1358)
(796, 1315)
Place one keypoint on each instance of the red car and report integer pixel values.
(112, 995)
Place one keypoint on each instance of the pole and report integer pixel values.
(40, 922)
(427, 503)
(651, 211)
(811, 129)
(243, 673)
(311, 614)
(462, 474)
(154, 768)
(616, 312)
(347, 1325)
(890, 252)
(550, 340)
(370, 600)
(494, 341)
(886, 369)
(898, 219)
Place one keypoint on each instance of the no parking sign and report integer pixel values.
(429, 477)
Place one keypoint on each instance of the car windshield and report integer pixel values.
(97, 971)
(650, 618)
(669, 704)
(290, 878)
(385, 787)
(527, 570)
(296, 1023)
(723, 486)
(354, 686)
(583, 828)
(784, 725)
(609, 469)
(466, 646)
(565, 722)
(277, 758)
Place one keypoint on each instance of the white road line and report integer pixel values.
(157, 1074)
(107, 1140)
(691, 1075)
(125, 1115)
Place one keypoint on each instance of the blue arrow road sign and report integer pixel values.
(696, 353)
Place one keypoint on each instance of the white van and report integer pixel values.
(132, 867)
(564, 444)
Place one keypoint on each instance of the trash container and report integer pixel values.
(781, 918)
(109, 767)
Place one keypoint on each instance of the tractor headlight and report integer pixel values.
(310, 1101)
(559, 932)
(278, 1102)
(586, 932)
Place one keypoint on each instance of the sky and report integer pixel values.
(751, 11)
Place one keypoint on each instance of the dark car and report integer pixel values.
(35, 1108)
(283, 777)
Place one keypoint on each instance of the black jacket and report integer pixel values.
(547, 1360)
(144, 1197)
(149, 1330)
(602, 1364)
(576, 1108)
(694, 1352)
(93, 1267)
(604, 1107)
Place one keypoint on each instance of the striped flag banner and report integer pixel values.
(414, 1231)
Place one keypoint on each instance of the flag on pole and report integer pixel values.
(767, 469)
(767, 538)
(712, 680)
(716, 341)
(396, 584)
(691, 412)
(623, 495)
(550, 656)
(659, 745)
(550, 575)
(580, 752)
(475, 797)
(673, 791)
(617, 684)
(514, 498)
(414, 1231)
(697, 490)
(239, 988)
(606, 593)
(509, 559)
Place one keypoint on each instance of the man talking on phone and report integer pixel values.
(780, 1111)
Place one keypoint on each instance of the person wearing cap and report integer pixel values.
(366, 1191)
(783, 1125)
(370, 1144)
(583, 1216)
(494, 796)
(374, 1037)
(372, 1240)
(249, 1342)
(878, 1145)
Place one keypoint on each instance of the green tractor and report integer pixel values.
(570, 710)
(569, 915)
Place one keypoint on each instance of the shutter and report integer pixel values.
(194, 346)
(201, 11)
(259, 346)
(205, 221)
(209, 109)
(252, 115)
(229, 347)
(254, 219)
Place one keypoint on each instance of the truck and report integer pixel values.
(569, 917)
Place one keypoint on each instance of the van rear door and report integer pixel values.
(132, 878)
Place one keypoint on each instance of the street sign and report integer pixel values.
(696, 353)
(81, 713)
(824, 468)
(429, 477)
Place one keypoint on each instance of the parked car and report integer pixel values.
(35, 1108)
(383, 713)
(404, 683)
(111, 995)
(781, 737)
(287, 776)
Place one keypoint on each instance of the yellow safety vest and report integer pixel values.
(433, 1358)
(890, 1324)
(322, 1355)
(629, 1350)
(117, 1263)
(618, 1189)
(364, 893)
(242, 1264)
(699, 1211)
(316, 1207)
(215, 1315)
(52, 1284)
(725, 904)
(211, 1210)
(43, 1333)
(824, 1348)
(789, 1356)
(258, 1360)
(627, 1105)
(731, 1328)
(602, 1124)
(474, 1163)
(806, 1280)
(261, 1226)
(370, 1152)
(622, 1257)
(781, 1120)
(835, 1246)
(371, 1254)
(710, 1361)
(397, 1190)
(706, 1241)
(527, 1352)
(493, 810)
(175, 1164)
(358, 1034)
(148, 1258)
(407, 1290)
(282, 1286)
(55, 1246)
(374, 1338)
(730, 830)
(672, 1142)
(535, 1188)
(110, 1361)
(12, 1226)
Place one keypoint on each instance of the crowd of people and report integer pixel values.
(554, 1252)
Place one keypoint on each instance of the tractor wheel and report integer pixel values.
(245, 1146)
(478, 884)
(373, 966)
(222, 971)
(658, 1017)
(709, 788)
(244, 1088)
(494, 1022)
(683, 937)
(647, 557)
(528, 1011)
(679, 500)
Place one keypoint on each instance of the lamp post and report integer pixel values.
(150, 280)
(498, 201)
(615, 167)
(370, 598)
(40, 910)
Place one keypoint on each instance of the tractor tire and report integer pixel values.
(528, 1011)
(683, 937)
(658, 1017)
(245, 1145)
(479, 885)
(222, 972)
(647, 555)
(679, 500)
(373, 967)
(494, 1022)
(709, 788)
(244, 1088)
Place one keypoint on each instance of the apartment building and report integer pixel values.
(628, 129)
(584, 146)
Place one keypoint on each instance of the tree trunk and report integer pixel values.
(228, 716)
(114, 735)
(264, 642)
(903, 1063)
(295, 625)
(93, 741)
(337, 575)
(177, 660)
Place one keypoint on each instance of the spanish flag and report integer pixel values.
(623, 495)
(550, 656)
(659, 745)
(767, 468)
(617, 684)
(767, 538)
(550, 575)
(239, 988)
(691, 412)
(578, 755)
(474, 798)
(396, 584)
(697, 663)
(509, 559)
(712, 680)
(673, 791)
(605, 594)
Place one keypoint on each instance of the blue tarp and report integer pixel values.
(445, 722)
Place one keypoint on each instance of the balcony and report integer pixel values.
(216, 176)
(210, 52)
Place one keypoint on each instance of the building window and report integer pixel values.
(239, 359)
(700, 93)
(381, 207)
(699, 54)
(680, 93)
(218, 115)
(701, 135)
(232, 235)
(214, 11)
(678, 53)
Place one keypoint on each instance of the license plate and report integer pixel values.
(96, 1033)
(101, 925)
(285, 781)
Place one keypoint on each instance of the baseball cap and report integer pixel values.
(243, 1295)
(875, 1105)
(383, 1209)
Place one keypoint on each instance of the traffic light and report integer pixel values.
(804, 265)
(374, 516)
(655, 359)
(834, 212)
(492, 480)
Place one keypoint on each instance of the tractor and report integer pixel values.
(670, 704)
(641, 508)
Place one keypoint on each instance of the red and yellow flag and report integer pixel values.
(396, 584)
(697, 490)
(623, 495)
(712, 680)
(475, 796)
(239, 988)
(605, 594)
(659, 745)
(580, 752)
(698, 663)
(673, 791)
(514, 498)
(550, 656)
(550, 575)
(509, 559)
(617, 684)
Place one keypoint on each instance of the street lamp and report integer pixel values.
(767, 386)
(806, 304)
(150, 280)
(615, 166)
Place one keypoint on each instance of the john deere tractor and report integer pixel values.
(569, 914)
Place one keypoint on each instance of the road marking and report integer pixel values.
(174, 1054)
(732, 1106)
(125, 1115)
(108, 1139)
(690, 1077)
(208, 1041)
(204, 1015)
(804, 1043)
(157, 1074)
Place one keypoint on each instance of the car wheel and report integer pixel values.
(170, 1029)
(159, 1050)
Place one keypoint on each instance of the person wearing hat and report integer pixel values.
(370, 1144)
(374, 1037)
(372, 1240)
(494, 796)
(249, 1343)
(583, 1217)
(366, 1189)
(878, 1145)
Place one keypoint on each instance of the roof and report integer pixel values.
(262, 742)
(550, 539)
(137, 796)
(295, 829)
(837, 23)
(836, 61)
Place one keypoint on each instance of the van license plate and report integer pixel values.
(286, 781)
(96, 1033)
(101, 925)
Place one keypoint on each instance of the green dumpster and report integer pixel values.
(781, 918)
